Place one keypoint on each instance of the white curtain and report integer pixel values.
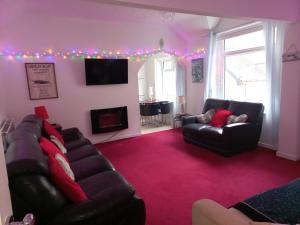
(214, 68)
(274, 43)
(169, 85)
(180, 87)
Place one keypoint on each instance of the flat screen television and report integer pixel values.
(106, 71)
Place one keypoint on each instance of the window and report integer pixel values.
(244, 77)
(165, 79)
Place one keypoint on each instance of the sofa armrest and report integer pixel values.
(100, 209)
(188, 120)
(71, 134)
(208, 212)
(241, 132)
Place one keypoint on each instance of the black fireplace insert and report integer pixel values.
(108, 120)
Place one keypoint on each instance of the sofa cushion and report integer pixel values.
(24, 156)
(111, 201)
(253, 110)
(237, 119)
(50, 130)
(109, 183)
(70, 145)
(70, 188)
(19, 134)
(33, 119)
(31, 128)
(203, 132)
(59, 145)
(219, 119)
(90, 166)
(65, 165)
(50, 148)
(206, 117)
(82, 152)
(215, 104)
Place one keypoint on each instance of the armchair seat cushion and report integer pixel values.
(203, 131)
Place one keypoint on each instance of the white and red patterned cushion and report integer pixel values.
(237, 119)
(57, 142)
(65, 165)
(206, 117)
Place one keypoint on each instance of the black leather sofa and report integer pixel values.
(111, 199)
(232, 138)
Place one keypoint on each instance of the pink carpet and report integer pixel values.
(170, 174)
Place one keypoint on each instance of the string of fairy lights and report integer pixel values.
(76, 54)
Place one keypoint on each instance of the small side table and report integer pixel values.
(177, 120)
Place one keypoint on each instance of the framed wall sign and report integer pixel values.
(197, 70)
(41, 80)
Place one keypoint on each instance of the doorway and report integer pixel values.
(160, 81)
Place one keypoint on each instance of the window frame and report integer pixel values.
(243, 30)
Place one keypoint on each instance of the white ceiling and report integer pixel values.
(186, 25)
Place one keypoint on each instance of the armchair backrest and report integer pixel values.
(212, 103)
(254, 111)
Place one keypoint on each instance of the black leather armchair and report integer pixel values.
(232, 138)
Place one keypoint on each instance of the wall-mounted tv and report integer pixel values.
(106, 71)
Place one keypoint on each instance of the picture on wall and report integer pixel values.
(41, 80)
(197, 70)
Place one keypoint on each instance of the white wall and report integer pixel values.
(5, 205)
(149, 76)
(75, 98)
(289, 141)
(2, 97)
(270, 9)
(229, 23)
(195, 91)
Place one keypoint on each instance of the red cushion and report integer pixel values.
(50, 130)
(70, 188)
(219, 119)
(50, 148)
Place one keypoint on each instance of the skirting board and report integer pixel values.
(280, 154)
(119, 138)
(267, 146)
(288, 156)
(7, 220)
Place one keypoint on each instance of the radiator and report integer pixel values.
(6, 126)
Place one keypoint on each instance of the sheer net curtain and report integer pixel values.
(214, 85)
(169, 85)
(274, 44)
(180, 87)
